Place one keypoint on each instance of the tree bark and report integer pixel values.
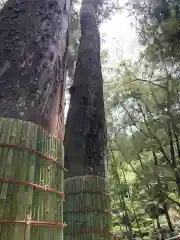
(85, 137)
(33, 50)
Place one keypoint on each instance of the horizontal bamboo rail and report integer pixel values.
(86, 209)
(31, 182)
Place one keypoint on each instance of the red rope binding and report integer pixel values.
(88, 210)
(32, 150)
(32, 185)
(35, 223)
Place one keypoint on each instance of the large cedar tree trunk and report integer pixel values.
(33, 49)
(85, 135)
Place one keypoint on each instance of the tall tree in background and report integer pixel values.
(85, 138)
(33, 50)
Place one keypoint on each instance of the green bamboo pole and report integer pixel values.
(21, 203)
(90, 193)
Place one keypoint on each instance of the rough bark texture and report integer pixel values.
(33, 49)
(85, 135)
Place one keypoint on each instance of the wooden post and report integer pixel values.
(31, 182)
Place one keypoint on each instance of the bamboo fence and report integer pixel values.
(86, 209)
(31, 183)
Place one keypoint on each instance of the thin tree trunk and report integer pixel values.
(159, 228)
(177, 143)
(155, 230)
(85, 137)
(172, 201)
(129, 195)
(173, 159)
(168, 217)
(121, 199)
(161, 193)
(170, 134)
(33, 50)
(128, 223)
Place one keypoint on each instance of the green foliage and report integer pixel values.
(158, 26)
(142, 107)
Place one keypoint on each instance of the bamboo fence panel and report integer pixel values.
(31, 182)
(86, 209)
